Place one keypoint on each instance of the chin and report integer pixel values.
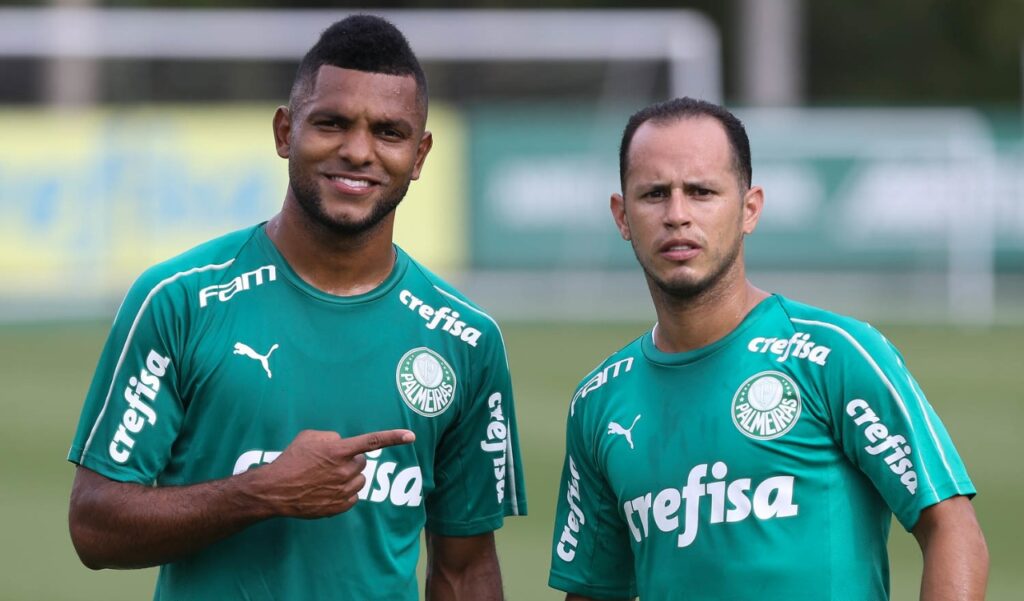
(684, 281)
(343, 225)
(344, 218)
(344, 215)
(684, 289)
(683, 286)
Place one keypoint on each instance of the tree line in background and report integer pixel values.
(914, 52)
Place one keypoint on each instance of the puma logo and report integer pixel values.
(614, 428)
(244, 349)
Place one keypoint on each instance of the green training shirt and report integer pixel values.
(764, 466)
(218, 358)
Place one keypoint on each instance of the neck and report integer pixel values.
(331, 262)
(692, 323)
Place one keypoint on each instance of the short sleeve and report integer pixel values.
(132, 411)
(887, 428)
(478, 477)
(591, 553)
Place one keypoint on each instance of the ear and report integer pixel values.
(426, 143)
(618, 207)
(282, 131)
(753, 202)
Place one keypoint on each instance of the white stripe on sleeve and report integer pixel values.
(510, 459)
(131, 334)
(892, 390)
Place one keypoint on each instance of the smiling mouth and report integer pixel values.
(351, 183)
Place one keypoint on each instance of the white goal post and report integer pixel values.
(686, 39)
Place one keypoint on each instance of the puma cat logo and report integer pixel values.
(614, 428)
(244, 349)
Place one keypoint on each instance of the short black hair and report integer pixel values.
(362, 43)
(683, 108)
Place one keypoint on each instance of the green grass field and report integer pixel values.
(974, 378)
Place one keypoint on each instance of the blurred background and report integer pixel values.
(888, 137)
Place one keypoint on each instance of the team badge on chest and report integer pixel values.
(425, 381)
(766, 406)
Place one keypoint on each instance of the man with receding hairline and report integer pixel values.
(280, 413)
(747, 446)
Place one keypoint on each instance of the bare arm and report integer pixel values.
(955, 554)
(124, 525)
(462, 568)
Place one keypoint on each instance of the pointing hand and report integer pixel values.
(320, 473)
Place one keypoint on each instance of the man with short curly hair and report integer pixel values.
(280, 413)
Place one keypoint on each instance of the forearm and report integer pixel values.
(122, 525)
(463, 576)
(483, 584)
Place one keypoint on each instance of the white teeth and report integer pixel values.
(683, 247)
(353, 183)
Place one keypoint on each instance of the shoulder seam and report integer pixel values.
(131, 333)
(466, 304)
(578, 392)
(603, 362)
(895, 394)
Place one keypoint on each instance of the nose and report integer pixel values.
(677, 210)
(357, 147)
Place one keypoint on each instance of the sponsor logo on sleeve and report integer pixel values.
(600, 379)
(425, 381)
(569, 541)
(895, 447)
(445, 317)
(384, 480)
(497, 443)
(766, 406)
(730, 502)
(140, 394)
(246, 281)
(797, 346)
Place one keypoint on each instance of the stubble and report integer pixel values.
(308, 197)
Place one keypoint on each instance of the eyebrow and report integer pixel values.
(326, 114)
(652, 185)
(700, 183)
(402, 124)
(687, 185)
(333, 115)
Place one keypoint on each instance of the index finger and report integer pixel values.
(371, 441)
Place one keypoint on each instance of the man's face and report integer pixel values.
(683, 209)
(353, 144)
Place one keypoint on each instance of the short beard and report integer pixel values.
(312, 205)
(689, 291)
